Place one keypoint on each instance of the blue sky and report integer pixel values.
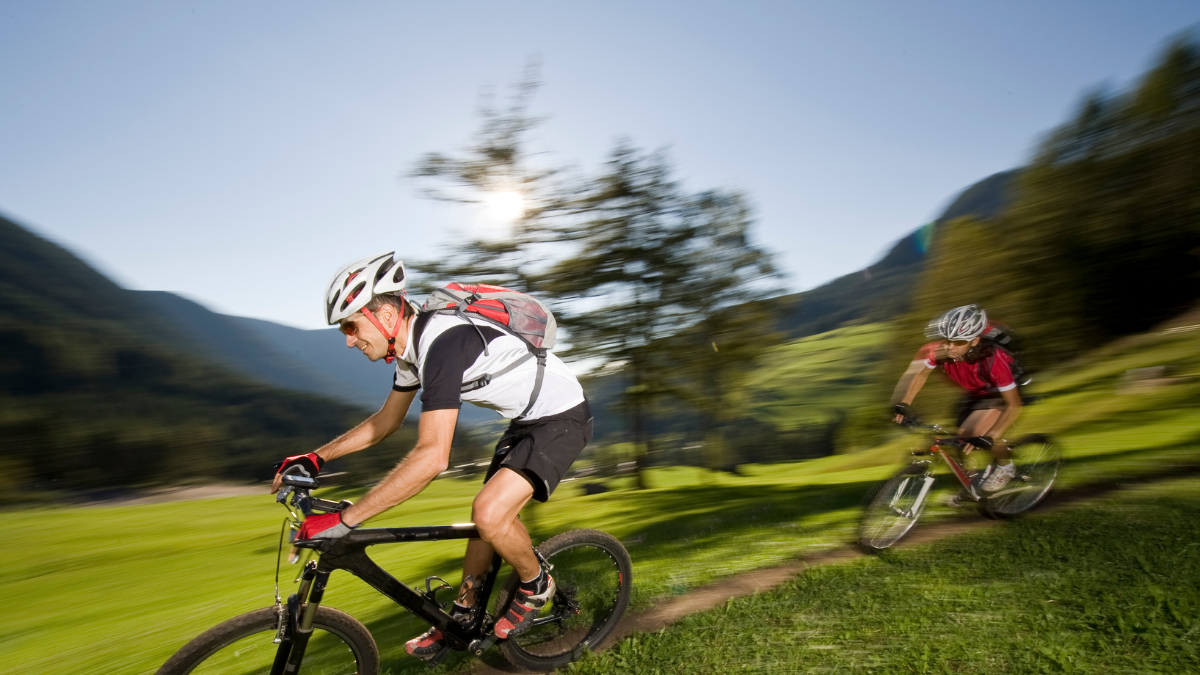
(240, 152)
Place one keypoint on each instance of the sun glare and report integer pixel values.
(506, 206)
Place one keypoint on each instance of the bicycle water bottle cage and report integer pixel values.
(431, 593)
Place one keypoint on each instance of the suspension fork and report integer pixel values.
(300, 617)
(927, 481)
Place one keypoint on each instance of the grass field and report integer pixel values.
(1112, 586)
(117, 589)
(807, 381)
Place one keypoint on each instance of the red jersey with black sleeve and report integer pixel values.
(988, 376)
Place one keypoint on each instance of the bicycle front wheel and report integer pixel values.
(594, 578)
(1038, 459)
(244, 645)
(894, 507)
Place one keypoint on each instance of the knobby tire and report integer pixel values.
(591, 569)
(340, 646)
(1039, 460)
(882, 525)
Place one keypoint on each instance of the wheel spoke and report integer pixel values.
(895, 507)
(591, 571)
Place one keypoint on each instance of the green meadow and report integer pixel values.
(119, 588)
(1109, 586)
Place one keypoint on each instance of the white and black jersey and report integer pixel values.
(452, 351)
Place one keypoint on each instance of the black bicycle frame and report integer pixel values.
(349, 553)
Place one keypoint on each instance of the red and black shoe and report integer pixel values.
(426, 645)
(524, 607)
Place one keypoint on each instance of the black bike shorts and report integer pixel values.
(970, 404)
(542, 450)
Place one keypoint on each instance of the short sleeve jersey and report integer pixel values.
(986, 377)
(453, 350)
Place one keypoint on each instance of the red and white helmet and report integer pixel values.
(357, 283)
(961, 323)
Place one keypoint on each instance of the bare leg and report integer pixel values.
(475, 565)
(978, 424)
(495, 514)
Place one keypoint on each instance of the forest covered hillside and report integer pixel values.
(98, 387)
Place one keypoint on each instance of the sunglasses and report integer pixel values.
(954, 343)
(348, 328)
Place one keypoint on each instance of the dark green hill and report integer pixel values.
(884, 290)
(310, 361)
(324, 353)
(98, 388)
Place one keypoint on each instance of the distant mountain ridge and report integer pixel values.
(99, 387)
(312, 361)
(883, 290)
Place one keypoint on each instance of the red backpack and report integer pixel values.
(513, 312)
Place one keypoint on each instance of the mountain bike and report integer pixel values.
(895, 505)
(592, 571)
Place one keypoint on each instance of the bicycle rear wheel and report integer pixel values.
(594, 577)
(1038, 459)
(243, 645)
(894, 507)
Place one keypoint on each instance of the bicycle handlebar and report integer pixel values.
(297, 492)
(916, 425)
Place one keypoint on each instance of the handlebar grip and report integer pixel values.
(298, 481)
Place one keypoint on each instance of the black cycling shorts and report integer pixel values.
(970, 404)
(542, 450)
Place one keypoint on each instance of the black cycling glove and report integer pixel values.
(981, 442)
(902, 409)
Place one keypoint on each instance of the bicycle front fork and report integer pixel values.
(297, 626)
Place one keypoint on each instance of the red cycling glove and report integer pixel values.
(324, 526)
(308, 465)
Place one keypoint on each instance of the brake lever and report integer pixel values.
(282, 496)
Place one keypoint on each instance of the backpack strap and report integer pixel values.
(422, 321)
(486, 379)
(537, 383)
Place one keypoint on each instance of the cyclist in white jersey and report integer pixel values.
(439, 354)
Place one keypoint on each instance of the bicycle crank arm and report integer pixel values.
(478, 647)
(437, 658)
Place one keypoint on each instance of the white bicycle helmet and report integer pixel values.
(357, 283)
(961, 323)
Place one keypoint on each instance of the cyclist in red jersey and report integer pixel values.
(992, 402)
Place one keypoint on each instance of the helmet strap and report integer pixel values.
(391, 352)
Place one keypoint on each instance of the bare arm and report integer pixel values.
(430, 457)
(917, 381)
(372, 430)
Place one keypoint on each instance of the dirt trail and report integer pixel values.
(670, 610)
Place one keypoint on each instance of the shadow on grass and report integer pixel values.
(718, 520)
(677, 521)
